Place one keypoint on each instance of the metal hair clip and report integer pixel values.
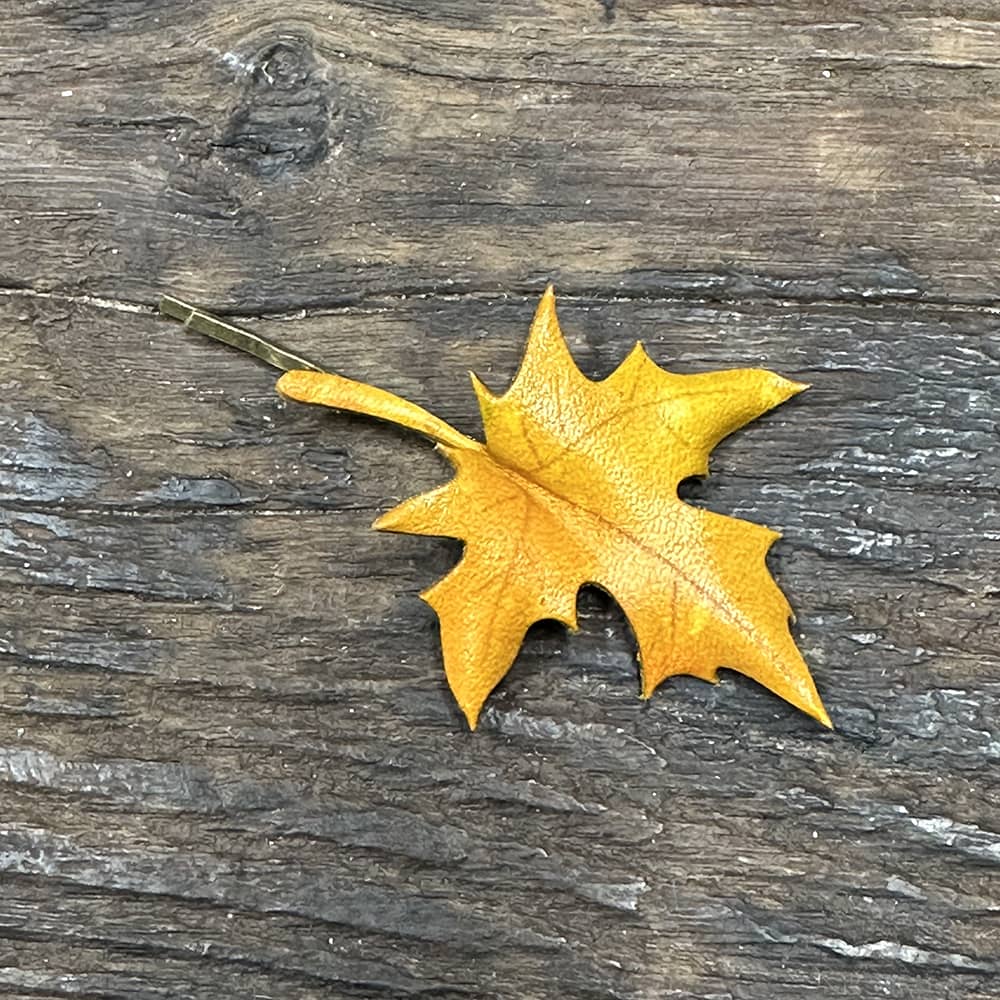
(203, 322)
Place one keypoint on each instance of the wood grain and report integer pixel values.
(229, 762)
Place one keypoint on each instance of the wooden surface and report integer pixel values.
(229, 764)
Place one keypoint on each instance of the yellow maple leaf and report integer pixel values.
(577, 484)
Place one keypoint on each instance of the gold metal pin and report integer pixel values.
(203, 322)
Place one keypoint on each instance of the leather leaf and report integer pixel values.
(576, 484)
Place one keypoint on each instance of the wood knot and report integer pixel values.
(282, 121)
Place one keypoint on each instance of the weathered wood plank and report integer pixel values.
(229, 763)
(222, 695)
(283, 159)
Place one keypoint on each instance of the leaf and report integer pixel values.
(577, 484)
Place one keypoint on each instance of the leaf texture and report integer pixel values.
(576, 484)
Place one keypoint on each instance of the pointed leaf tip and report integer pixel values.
(384, 522)
(809, 701)
(790, 387)
(547, 303)
(780, 389)
(484, 394)
(821, 716)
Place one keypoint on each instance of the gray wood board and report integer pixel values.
(229, 762)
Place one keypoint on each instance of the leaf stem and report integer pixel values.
(308, 383)
(341, 393)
